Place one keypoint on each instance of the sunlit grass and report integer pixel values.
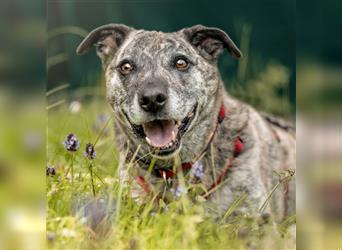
(112, 219)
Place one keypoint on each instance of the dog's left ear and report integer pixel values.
(210, 42)
(107, 39)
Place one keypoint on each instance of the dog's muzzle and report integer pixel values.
(164, 136)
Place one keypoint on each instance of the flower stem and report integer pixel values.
(92, 177)
(72, 169)
(283, 177)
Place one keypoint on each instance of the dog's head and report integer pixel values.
(160, 85)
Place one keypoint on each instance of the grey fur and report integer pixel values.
(268, 147)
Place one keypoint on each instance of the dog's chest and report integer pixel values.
(198, 180)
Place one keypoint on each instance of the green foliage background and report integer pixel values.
(264, 30)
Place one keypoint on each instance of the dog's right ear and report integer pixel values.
(107, 39)
(210, 42)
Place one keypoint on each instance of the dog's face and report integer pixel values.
(160, 84)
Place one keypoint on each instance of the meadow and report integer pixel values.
(90, 207)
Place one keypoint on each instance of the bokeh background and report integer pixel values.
(22, 124)
(293, 46)
(319, 124)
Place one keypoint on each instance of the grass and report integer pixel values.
(112, 219)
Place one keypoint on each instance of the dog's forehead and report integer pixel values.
(154, 43)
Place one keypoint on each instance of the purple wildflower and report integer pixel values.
(90, 151)
(71, 143)
(178, 191)
(50, 236)
(197, 170)
(50, 171)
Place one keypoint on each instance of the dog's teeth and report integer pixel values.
(190, 114)
(173, 135)
(148, 140)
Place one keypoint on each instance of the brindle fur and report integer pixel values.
(268, 146)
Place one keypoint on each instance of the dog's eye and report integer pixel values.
(181, 64)
(125, 68)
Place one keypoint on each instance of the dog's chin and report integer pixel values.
(164, 137)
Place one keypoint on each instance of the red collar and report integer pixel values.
(167, 174)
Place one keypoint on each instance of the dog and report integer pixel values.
(176, 123)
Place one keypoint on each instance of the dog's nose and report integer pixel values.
(152, 99)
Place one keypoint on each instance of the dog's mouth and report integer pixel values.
(164, 136)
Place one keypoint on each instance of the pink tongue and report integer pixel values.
(159, 132)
